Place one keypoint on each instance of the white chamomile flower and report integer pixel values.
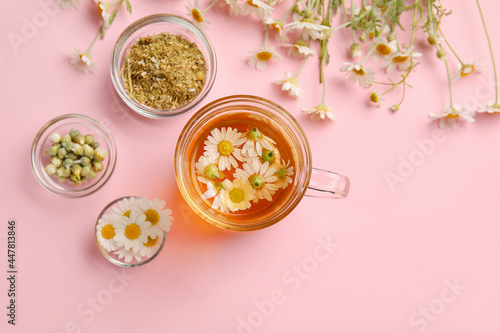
(290, 85)
(256, 142)
(125, 207)
(465, 69)
(213, 191)
(258, 8)
(359, 73)
(131, 232)
(259, 59)
(207, 169)
(69, 4)
(383, 48)
(261, 177)
(103, 8)
(278, 28)
(299, 49)
(222, 145)
(489, 108)
(159, 218)
(151, 246)
(234, 7)
(105, 232)
(236, 194)
(194, 11)
(129, 255)
(319, 112)
(308, 25)
(452, 114)
(400, 59)
(82, 60)
(283, 172)
(376, 98)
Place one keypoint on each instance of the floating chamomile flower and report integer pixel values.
(151, 246)
(131, 232)
(125, 207)
(283, 172)
(207, 169)
(213, 191)
(261, 177)
(255, 142)
(160, 218)
(106, 232)
(222, 145)
(236, 194)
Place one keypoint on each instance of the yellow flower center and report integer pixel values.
(151, 242)
(108, 231)
(100, 5)
(197, 15)
(466, 70)
(452, 115)
(374, 97)
(152, 216)
(225, 148)
(250, 3)
(359, 72)
(236, 195)
(256, 181)
(264, 56)
(383, 49)
(399, 59)
(132, 231)
(127, 213)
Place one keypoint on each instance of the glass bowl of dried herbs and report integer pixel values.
(163, 66)
(73, 155)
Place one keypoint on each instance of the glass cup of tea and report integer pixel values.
(243, 163)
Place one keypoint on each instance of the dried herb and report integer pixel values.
(164, 71)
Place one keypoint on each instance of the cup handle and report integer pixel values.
(327, 184)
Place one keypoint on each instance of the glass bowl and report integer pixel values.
(63, 125)
(156, 24)
(112, 209)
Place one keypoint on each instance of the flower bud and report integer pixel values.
(52, 151)
(95, 145)
(50, 169)
(77, 149)
(85, 161)
(441, 54)
(67, 163)
(74, 178)
(73, 134)
(91, 174)
(56, 161)
(395, 108)
(62, 172)
(99, 154)
(72, 156)
(76, 170)
(55, 138)
(391, 37)
(432, 40)
(86, 171)
(80, 139)
(97, 166)
(356, 50)
(89, 139)
(88, 151)
(65, 139)
(61, 152)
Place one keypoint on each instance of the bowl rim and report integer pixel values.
(105, 253)
(112, 156)
(135, 26)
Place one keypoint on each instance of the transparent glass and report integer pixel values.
(114, 258)
(63, 125)
(156, 24)
(326, 183)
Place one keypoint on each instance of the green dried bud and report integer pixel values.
(80, 139)
(78, 183)
(89, 139)
(73, 134)
(86, 171)
(97, 166)
(56, 161)
(62, 172)
(441, 54)
(66, 139)
(268, 156)
(95, 145)
(52, 151)
(88, 151)
(92, 174)
(50, 169)
(99, 154)
(356, 50)
(68, 147)
(432, 40)
(61, 179)
(61, 152)
(76, 170)
(74, 178)
(67, 163)
(55, 138)
(72, 156)
(77, 149)
(85, 161)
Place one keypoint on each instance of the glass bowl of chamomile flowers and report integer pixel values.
(131, 231)
(73, 155)
(163, 66)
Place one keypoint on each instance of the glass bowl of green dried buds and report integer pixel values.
(163, 66)
(73, 155)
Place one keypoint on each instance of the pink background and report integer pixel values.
(399, 251)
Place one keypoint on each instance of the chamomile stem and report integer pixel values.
(324, 93)
(344, 11)
(449, 46)
(369, 53)
(491, 52)
(301, 67)
(352, 17)
(267, 36)
(449, 81)
(95, 41)
(288, 11)
(209, 6)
